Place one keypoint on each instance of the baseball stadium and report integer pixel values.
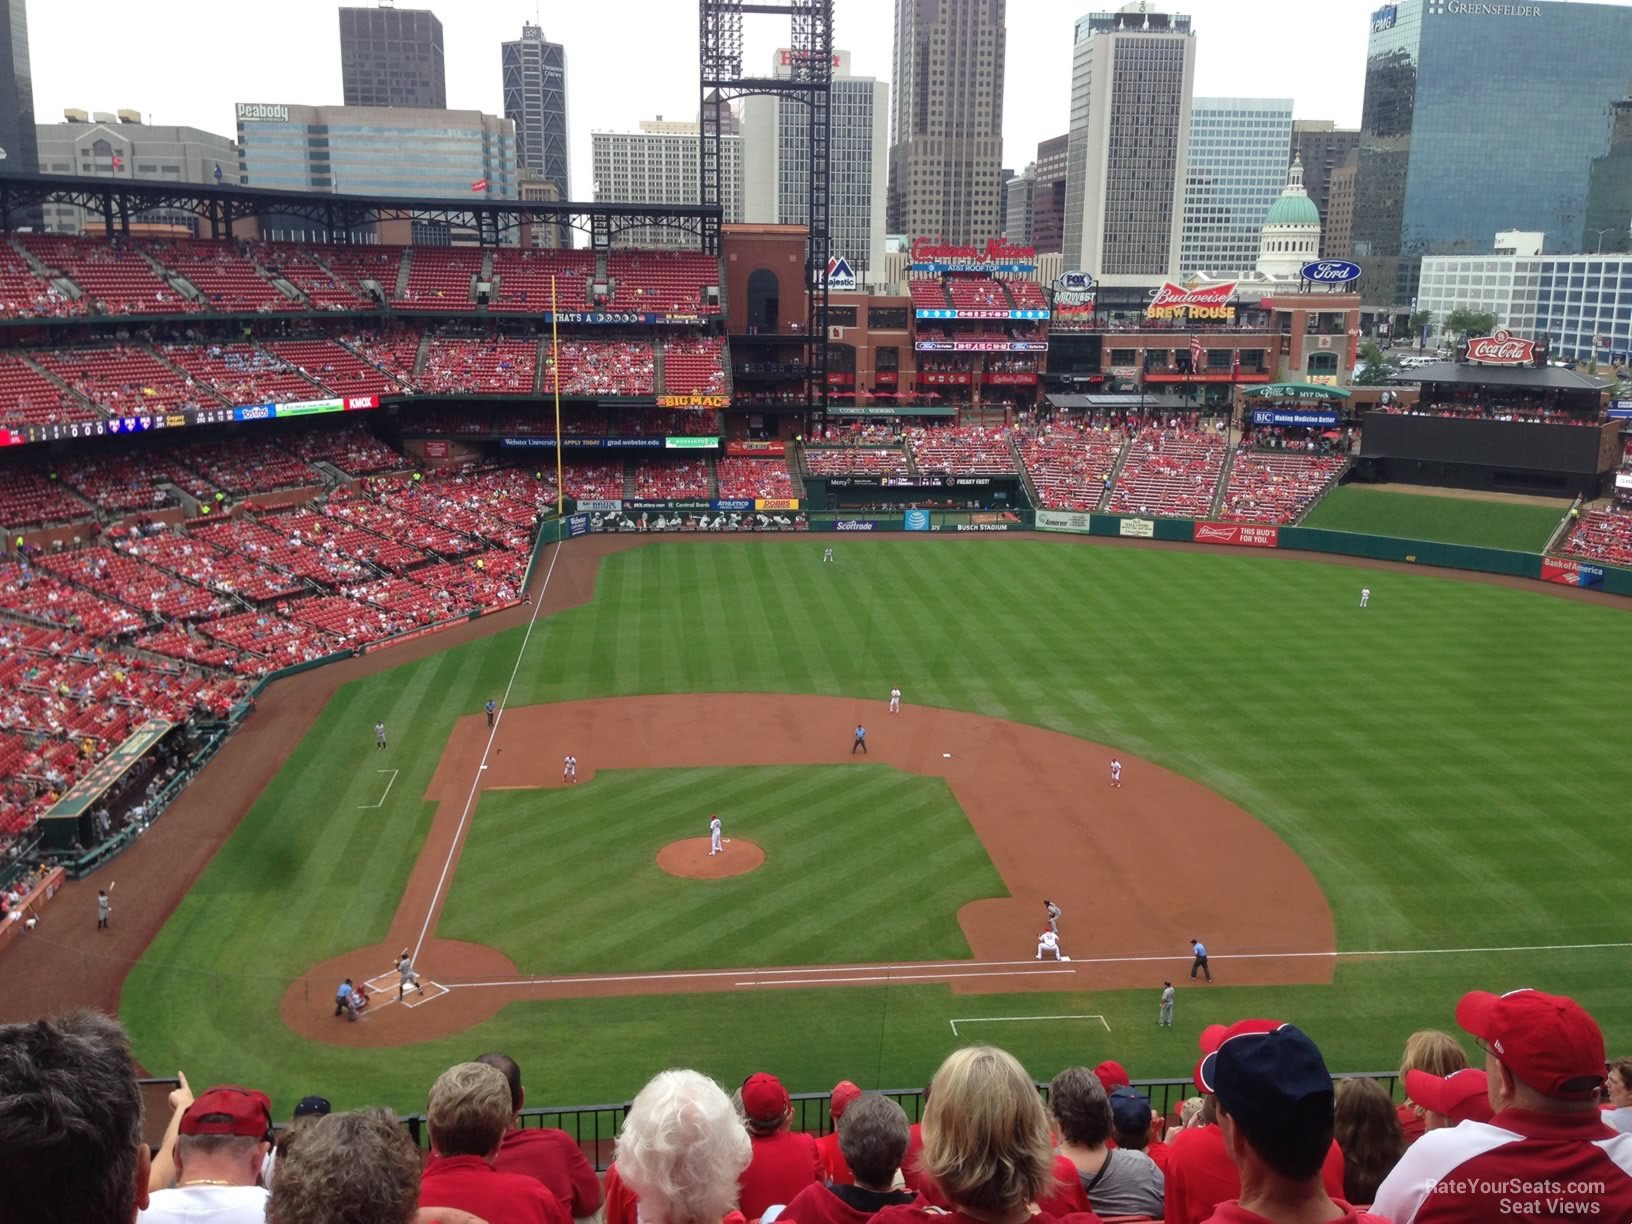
(401, 612)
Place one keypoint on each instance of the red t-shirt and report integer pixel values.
(818, 1204)
(554, 1158)
(621, 1202)
(833, 1162)
(1520, 1165)
(1411, 1122)
(471, 1184)
(1067, 1197)
(1234, 1213)
(922, 1213)
(917, 1180)
(1156, 1149)
(783, 1164)
(1200, 1175)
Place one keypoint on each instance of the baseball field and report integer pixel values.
(1363, 813)
(1522, 524)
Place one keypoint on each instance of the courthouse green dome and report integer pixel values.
(1292, 209)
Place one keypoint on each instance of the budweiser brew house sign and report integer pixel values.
(1503, 349)
(1211, 304)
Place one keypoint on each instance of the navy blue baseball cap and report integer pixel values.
(1262, 1069)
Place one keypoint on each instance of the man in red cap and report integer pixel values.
(827, 1145)
(784, 1162)
(221, 1144)
(1449, 1100)
(1199, 1172)
(1546, 1153)
(1276, 1115)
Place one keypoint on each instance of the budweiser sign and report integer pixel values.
(1503, 348)
(1176, 302)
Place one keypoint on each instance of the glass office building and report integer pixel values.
(1583, 303)
(1479, 117)
(16, 94)
(1238, 160)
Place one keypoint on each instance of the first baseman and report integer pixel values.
(714, 846)
(1048, 941)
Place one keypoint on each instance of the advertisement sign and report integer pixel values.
(1620, 410)
(840, 277)
(849, 524)
(980, 346)
(577, 525)
(1057, 520)
(1623, 480)
(262, 112)
(609, 318)
(1144, 529)
(1384, 18)
(1011, 378)
(1330, 271)
(911, 482)
(776, 503)
(1075, 282)
(690, 443)
(917, 520)
(694, 400)
(980, 314)
(1211, 303)
(592, 506)
(436, 449)
(734, 503)
(944, 378)
(1247, 535)
(1294, 417)
(1069, 313)
(1571, 573)
(1501, 349)
(984, 527)
(752, 448)
(998, 255)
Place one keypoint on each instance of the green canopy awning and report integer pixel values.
(96, 781)
(1297, 391)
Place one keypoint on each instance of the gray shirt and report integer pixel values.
(1620, 1119)
(1130, 1183)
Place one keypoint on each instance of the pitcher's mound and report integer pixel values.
(690, 860)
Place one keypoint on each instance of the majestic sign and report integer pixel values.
(998, 255)
(262, 112)
(1210, 303)
(1385, 18)
(840, 277)
(1330, 271)
(694, 401)
(1503, 349)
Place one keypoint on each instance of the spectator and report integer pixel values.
(1139, 1128)
(1619, 1086)
(343, 1167)
(1116, 1181)
(912, 1163)
(222, 1143)
(1275, 1109)
(468, 1113)
(89, 1164)
(1112, 1075)
(784, 1162)
(1369, 1132)
(544, 1153)
(1437, 1053)
(985, 1144)
(827, 1146)
(1452, 1100)
(873, 1135)
(682, 1149)
(1200, 1174)
(1547, 1151)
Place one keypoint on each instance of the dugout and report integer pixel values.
(70, 820)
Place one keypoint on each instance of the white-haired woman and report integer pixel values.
(679, 1155)
(986, 1145)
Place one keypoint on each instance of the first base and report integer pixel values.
(1065, 958)
(947, 755)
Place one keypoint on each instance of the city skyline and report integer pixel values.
(616, 82)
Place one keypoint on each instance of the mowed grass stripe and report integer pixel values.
(1426, 516)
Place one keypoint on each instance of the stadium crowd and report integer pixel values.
(1540, 1131)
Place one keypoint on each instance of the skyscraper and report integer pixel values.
(776, 162)
(948, 122)
(658, 165)
(1048, 195)
(1479, 118)
(1322, 147)
(16, 94)
(392, 57)
(535, 100)
(1132, 75)
(1237, 167)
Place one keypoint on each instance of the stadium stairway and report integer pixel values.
(629, 489)
(713, 477)
(1336, 480)
(660, 383)
(541, 353)
(402, 284)
(51, 378)
(1216, 506)
(61, 284)
(424, 337)
(1115, 476)
(1026, 482)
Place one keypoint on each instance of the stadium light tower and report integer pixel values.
(809, 83)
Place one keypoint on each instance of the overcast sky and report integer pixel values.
(629, 60)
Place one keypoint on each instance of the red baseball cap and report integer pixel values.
(1111, 1074)
(843, 1093)
(1549, 1042)
(763, 1098)
(1460, 1096)
(229, 1110)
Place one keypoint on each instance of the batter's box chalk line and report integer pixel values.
(432, 992)
(1012, 1019)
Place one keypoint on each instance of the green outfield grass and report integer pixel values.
(590, 850)
(1434, 759)
(1427, 516)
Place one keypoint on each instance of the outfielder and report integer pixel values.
(827, 555)
(379, 734)
(1116, 772)
(1365, 596)
(714, 836)
(1048, 941)
(895, 701)
(1164, 1014)
(406, 975)
(1053, 916)
(569, 769)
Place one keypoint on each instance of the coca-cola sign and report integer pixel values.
(1503, 348)
(1330, 271)
(1176, 302)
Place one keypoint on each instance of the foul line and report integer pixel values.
(470, 799)
(390, 782)
(897, 977)
(1007, 1019)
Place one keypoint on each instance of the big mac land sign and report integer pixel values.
(1213, 303)
(1501, 349)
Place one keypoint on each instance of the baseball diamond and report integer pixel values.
(695, 676)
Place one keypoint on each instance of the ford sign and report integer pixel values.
(1076, 282)
(1330, 271)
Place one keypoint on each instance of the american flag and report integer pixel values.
(1235, 364)
(479, 185)
(1196, 358)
